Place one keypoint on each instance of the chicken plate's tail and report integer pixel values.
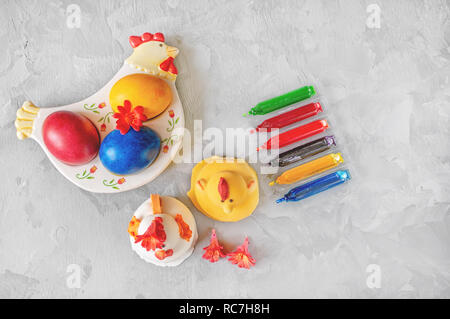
(25, 117)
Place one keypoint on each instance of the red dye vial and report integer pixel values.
(291, 117)
(295, 135)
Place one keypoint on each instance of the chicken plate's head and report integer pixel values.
(153, 56)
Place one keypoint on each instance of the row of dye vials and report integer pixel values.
(299, 153)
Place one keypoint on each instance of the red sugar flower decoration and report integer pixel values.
(161, 254)
(121, 181)
(241, 256)
(129, 117)
(214, 251)
(154, 237)
(101, 105)
(171, 113)
(183, 228)
(93, 169)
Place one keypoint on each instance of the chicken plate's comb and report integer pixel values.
(136, 41)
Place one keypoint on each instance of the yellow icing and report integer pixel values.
(242, 184)
(25, 117)
(151, 92)
(133, 226)
(149, 55)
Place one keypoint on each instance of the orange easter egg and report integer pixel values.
(149, 91)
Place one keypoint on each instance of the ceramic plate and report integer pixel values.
(94, 177)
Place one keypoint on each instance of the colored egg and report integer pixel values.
(129, 153)
(151, 92)
(70, 137)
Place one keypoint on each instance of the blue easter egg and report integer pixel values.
(129, 153)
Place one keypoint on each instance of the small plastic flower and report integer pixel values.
(121, 181)
(171, 113)
(154, 237)
(183, 228)
(93, 169)
(128, 116)
(214, 251)
(103, 127)
(133, 227)
(241, 256)
(161, 254)
(101, 105)
(165, 149)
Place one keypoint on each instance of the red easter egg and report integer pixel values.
(71, 137)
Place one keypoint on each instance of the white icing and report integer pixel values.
(182, 249)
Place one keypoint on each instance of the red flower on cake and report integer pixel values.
(101, 105)
(241, 256)
(171, 113)
(121, 181)
(129, 116)
(103, 127)
(93, 169)
(154, 237)
(183, 228)
(214, 251)
(161, 254)
(165, 149)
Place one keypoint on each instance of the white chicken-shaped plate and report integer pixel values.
(151, 56)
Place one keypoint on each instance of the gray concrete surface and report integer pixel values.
(386, 90)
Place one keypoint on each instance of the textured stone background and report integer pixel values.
(386, 91)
